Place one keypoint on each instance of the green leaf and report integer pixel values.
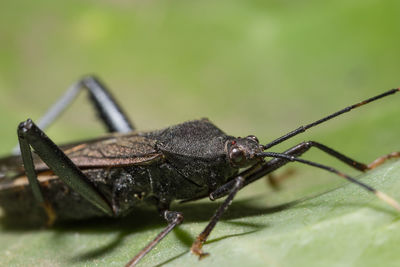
(344, 226)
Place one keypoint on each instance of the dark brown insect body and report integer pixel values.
(181, 162)
(112, 175)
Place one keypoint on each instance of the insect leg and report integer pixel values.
(233, 186)
(348, 161)
(381, 160)
(198, 243)
(302, 129)
(173, 218)
(108, 109)
(351, 162)
(111, 114)
(256, 172)
(265, 168)
(379, 194)
(29, 135)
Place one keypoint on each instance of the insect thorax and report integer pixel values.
(194, 163)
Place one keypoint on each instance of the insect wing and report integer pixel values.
(114, 151)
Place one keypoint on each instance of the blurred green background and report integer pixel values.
(254, 67)
(251, 67)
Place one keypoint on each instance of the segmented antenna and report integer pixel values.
(302, 129)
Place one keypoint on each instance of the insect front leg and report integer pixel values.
(173, 218)
(258, 171)
(201, 239)
(345, 159)
(383, 159)
(233, 186)
(390, 201)
(280, 159)
(29, 135)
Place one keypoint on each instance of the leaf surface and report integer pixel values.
(344, 226)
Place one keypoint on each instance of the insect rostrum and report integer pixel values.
(113, 174)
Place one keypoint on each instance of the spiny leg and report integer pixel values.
(302, 129)
(29, 135)
(109, 111)
(173, 218)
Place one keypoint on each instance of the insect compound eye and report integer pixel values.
(253, 137)
(237, 155)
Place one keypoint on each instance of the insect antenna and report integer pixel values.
(303, 128)
(377, 193)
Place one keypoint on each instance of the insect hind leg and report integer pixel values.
(108, 109)
(29, 135)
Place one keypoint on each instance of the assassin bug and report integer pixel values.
(113, 174)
